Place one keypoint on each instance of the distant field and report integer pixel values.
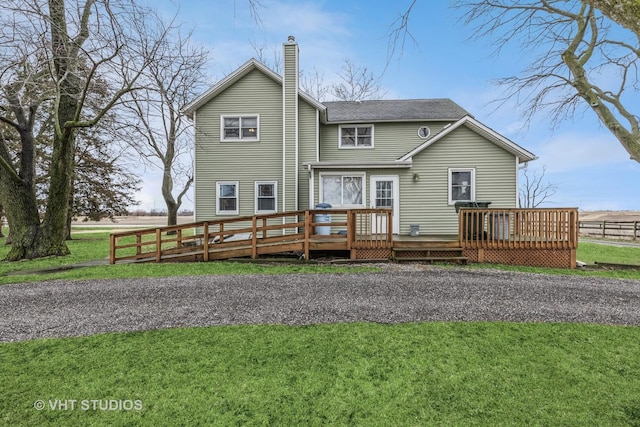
(152, 221)
(130, 221)
(609, 216)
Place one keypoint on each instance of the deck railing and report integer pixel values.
(335, 229)
(539, 228)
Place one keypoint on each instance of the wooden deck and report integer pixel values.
(532, 237)
(508, 236)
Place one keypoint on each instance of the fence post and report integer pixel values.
(112, 249)
(158, 244)
(604, 229)
(635, 230)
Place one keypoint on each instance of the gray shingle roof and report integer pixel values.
(394, 110)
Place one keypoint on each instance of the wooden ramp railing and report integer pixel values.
(303, 231)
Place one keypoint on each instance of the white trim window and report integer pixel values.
(227, 201)
(266, 197)
(352, 136)
(462, 185)
(342, 190)
(240, 128)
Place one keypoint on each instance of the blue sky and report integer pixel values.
(587, 164)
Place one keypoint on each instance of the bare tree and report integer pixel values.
(273, 61)
(358, 84)
(160, 130)
(313, 84)
(578, 43)
(624, 12)
(534, 190)
(50, 53)
(572, 45)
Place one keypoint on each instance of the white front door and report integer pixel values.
(385, 193)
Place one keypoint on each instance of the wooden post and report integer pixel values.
(389, 228)
(604, 229)
(351, 234)
(350, 228)
(158, 244)
(635, 230)
(480, 255)
(307, 232)
(112, 249)
(460, 231)
(205, 242)
(254, 237)
(138, 244)
(574, 229)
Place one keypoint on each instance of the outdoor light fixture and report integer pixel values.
(416, 177)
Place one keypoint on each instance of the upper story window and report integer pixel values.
(356, 136)
(240, 128)
(424, 132)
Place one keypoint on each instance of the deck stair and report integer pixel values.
(428, 251)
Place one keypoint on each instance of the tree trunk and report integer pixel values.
(1, 220)
(27, 240)
(172, 213)
(167, 188)
(70, 213)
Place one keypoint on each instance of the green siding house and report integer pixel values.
(263, 146)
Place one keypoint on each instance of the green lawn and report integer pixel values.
(348, 374)
(95, 246)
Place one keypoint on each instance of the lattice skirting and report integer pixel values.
(553, 258)
(373, 253)
(426, 253)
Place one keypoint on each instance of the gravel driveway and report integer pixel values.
(397, 294)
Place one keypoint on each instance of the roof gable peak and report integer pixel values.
(479, 128)
(239, 73)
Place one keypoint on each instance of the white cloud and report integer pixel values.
(571, 151)
(304, 19)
